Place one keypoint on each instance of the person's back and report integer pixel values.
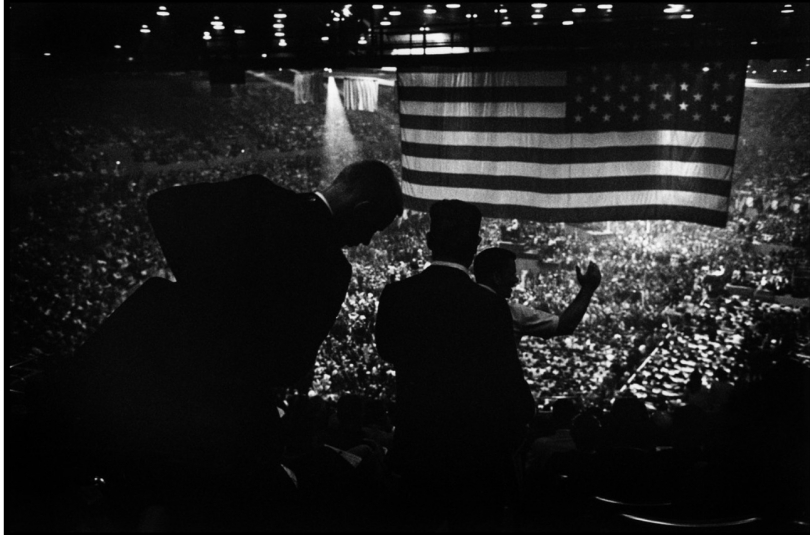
(462, 401)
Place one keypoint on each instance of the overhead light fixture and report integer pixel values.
(539, 6)
(753, 42)
(377, 6)
(47, 54)
(389, 69)
(687, 16)
(429, 10)
(568, 22)
(163, 13)
(385, 22)
(239, 31)
(282, 43)
(347, 12)
(786, 11)
(674, 8)
(279, 34)
(506, 22)
(362, 41)
(453, 6)
(395, 12)
(537, 15)
(605, 6)
(145, 30)
(280, 15)
(216, 18)
(578, 10)
(325, 38)
(264, 55)
(117, 46)
(278, 25)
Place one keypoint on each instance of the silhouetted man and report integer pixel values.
(496, 271)
(182, 374)
(462, 402)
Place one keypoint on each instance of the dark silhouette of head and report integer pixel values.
(453, 234)
(365, 197)
(495, 267)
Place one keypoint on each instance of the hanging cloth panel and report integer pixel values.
(360, 94)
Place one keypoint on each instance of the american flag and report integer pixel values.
(620, 141)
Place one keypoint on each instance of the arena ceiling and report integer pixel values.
(184, 36)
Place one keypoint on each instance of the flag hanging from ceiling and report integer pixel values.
(586, 143)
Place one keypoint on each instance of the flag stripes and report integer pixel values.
(599, 142)
(495, 169)
(564, 156)
(583, 185)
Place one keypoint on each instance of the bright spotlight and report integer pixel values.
(568, 22)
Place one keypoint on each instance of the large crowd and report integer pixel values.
(660, 326)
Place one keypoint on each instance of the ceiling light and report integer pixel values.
(389, 69)
(163, 13)
(429, 11)
(239, 31)
(282, 43)
(578, 10)
(280, 15)
(537, 15)
(145, 30)
(539, 6)
(385, 22)
(687, 16)
(346, 11)
(786, 11)
(506, 23)
(278, 25)
(674, 8)
(325, 38)
(264, 55)
(279, 34)
(753, 42)
(395, 12)
(47, 54)
(568, 22)
(502, 10)
(453, 6)
(605, 6)
(377, 6)
(117, 46)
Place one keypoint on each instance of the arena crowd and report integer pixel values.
(662, 327)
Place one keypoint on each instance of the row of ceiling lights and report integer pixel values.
(279, 33)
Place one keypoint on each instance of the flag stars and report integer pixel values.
(636, 97)
(623, 88)
(653, 105)
(636, 78)
(667, 116)
(729, 98)
(667, 96)
(715, 106)
(718, 64)
(715, 86)
(579, 79)
(636, 117)
(696, 117)
(606, 98)
(607, 77)
(622, 107)
(732, 75)
(653, 87)
(698, 97)
(683, 106)
(726, 118)
(684, 87)
(606, 118)
(593, 89)
(577, 118)
(578, 98)
(592, 108)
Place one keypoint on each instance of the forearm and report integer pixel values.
(573, 314)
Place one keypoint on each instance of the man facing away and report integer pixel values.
(496, 271)
(182, 374)
(462, 402)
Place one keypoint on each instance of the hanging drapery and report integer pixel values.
(308, 88)
(360, 94)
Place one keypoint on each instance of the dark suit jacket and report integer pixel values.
(460, 388)
(184, 371)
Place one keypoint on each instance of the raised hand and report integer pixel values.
(592, 277)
